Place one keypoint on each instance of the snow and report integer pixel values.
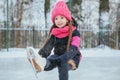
(100, 63)
(101, 51)
(12, 53)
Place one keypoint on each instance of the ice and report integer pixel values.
(100, 63)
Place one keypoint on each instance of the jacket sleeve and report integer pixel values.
(76, 42)
(76, 39)
(46, 50)
(74, 47)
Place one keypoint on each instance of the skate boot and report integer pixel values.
(35, 59)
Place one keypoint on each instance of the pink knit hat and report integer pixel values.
(61, 9)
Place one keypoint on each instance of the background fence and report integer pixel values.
(20, 30)
(34, 37)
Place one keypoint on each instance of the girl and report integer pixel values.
(65, 39)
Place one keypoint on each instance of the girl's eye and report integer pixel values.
(62, 17)
(56, 18)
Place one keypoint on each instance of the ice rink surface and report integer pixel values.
(15, 66)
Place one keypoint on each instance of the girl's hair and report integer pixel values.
(70, 35)
(69, 38)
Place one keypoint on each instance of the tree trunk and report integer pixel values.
(118, 27)
(20, 13)
(103, 8)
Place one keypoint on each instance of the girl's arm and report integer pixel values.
(74, 47)
(46, 50)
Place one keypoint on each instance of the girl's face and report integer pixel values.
(60, 21)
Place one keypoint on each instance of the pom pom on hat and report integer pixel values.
(61, 9)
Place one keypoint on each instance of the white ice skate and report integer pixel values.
(36, 61)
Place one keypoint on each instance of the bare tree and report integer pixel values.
(19, 16)
(103, 8)
(118, 27)
(3, 32)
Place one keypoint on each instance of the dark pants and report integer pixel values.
(63, 67)
(63, 71)
(62, 62)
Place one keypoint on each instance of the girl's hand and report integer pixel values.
(42, 53)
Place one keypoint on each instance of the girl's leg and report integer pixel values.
(63, 71)
(51, 63)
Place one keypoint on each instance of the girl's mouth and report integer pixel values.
(60, 24)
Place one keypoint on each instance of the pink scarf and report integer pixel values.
(62, 32)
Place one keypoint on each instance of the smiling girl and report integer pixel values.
(64, 40)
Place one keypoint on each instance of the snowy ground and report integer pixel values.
(101, 63)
